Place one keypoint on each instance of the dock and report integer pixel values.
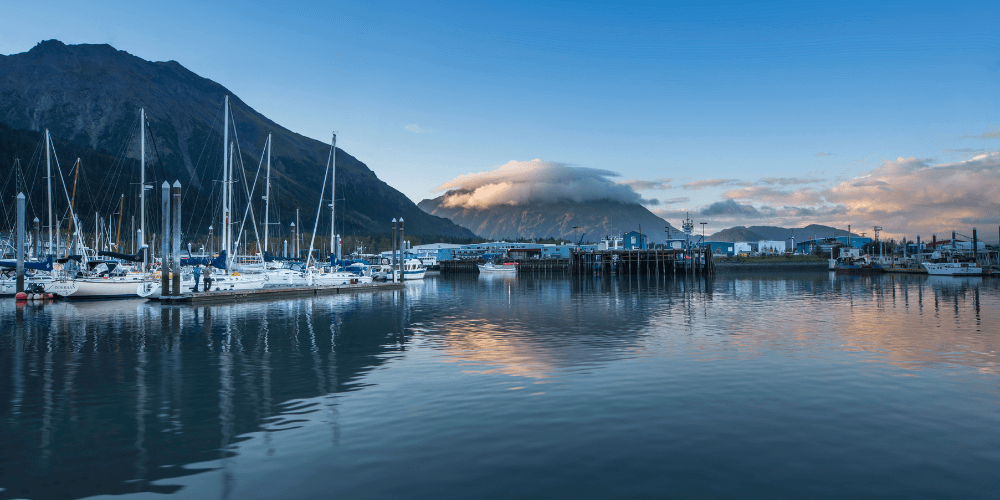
(643, 262)
(609, 262)
(276, 293)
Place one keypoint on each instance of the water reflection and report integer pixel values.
(114, 397)
(119, 397)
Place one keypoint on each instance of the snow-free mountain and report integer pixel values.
(567, 220)
(90, 95)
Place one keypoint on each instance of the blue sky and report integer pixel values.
(690, 92)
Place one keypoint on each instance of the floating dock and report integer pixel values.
(275, 293)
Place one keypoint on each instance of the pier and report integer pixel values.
(276, 293)
(643, 262)
(606, 262)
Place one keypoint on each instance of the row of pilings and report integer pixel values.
(643, 262)
(651, 262)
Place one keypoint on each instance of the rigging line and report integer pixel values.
(319, 207)
(249, 196)
(149, 128)
(204, 171)
(203, 148)
(65, 192)
(118, 166)
(209, 208)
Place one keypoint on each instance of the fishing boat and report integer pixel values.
(413, 269)
(490, 268)
(862, 265)
(953, 268)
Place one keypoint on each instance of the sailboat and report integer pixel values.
(310, 275)
(124, 280)
(226, 277)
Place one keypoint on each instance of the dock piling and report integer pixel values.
(165, 239)
(20, 243)
(176, 246)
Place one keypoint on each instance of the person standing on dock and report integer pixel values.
(208, 280)
(197, 277)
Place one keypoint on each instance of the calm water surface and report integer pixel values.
(776, 386)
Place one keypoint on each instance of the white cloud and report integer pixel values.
(413, 127)
(520, 182)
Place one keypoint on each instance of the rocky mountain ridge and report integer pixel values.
(91, 94)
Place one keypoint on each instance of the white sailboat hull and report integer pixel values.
(106, 288)
(8, 287)
(241, 282)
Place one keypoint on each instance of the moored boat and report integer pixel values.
(413, 269)
(490, 267)
(953, 268)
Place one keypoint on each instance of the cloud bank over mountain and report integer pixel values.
(537, 181)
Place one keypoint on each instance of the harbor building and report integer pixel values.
(634, 240)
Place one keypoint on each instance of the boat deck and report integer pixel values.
(278, 292)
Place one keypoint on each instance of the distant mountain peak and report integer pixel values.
(556, 219)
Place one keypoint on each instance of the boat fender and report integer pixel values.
(21, 296)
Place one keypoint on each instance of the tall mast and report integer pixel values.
(230, 243)
(142, 180)
(48, 184)
(267, 191)
(225, 182)
(333, 196)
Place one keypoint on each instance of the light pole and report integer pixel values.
(702, 232)
(575, 228)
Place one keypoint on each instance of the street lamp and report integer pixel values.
(702, 232)
(575, 228)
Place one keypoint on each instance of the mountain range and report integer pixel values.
(775, 233)
(559, 219)
(90, 95)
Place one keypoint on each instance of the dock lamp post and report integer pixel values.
(575, 229)
(702, 232)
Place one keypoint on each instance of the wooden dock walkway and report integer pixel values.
(276, 293)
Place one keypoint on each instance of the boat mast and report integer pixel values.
(142, 184)
(333, 198)
(267, 191)
(48, 185)
(225, 185)
(230, 243)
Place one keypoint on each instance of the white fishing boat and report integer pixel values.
(953, 268)
(490, 267)
(413, 269)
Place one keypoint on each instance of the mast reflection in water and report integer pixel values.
(808, 385)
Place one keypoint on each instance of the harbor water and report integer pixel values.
(795, 385)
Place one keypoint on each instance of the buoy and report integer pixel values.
(21, 296)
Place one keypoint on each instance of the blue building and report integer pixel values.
(634, 240)
(722, 248)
